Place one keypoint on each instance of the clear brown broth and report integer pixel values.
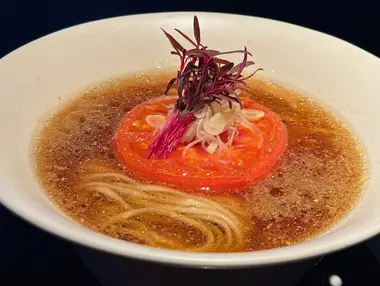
(318, 181)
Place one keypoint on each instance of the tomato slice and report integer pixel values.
(244, 163)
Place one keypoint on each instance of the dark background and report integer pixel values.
(24, 20)
(28, 255)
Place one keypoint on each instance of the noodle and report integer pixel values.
(316, 183)
(220, 228)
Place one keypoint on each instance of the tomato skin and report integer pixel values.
(200, 171)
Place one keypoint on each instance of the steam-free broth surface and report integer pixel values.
(317, 182)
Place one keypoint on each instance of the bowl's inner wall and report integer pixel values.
(39, 76)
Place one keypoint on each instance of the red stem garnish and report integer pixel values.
(203, 77)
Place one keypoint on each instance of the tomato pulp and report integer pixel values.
(243, 164)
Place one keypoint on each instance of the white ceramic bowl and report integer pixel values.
(34, 77)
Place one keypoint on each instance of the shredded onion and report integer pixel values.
(216, 124)
(199, 127)
(155, 120)
(188, 146)
(221, 145)
(191, 132)
(251, 127)
(232, 131)
(211, 148)
(252, 115)
(216, 118)
(202, 113)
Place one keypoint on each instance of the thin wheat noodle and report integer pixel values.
(113, 175)
(219, 226)
(151, 188)
(186, 220)
(112, 195)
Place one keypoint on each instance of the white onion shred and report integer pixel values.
(212, 147)
(216, 124)
(252, 115)
(156, 120)
(202, 112)
(218, 117)
(188, 146)
(190, 133)
(252, 127)
(232, 132)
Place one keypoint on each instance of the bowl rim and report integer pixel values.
(114, 246)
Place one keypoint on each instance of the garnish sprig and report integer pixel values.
(203, 78)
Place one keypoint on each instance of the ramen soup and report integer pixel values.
(221, 163)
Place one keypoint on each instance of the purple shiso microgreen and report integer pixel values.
(170, 135)
(197, 31)
(203, 77)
